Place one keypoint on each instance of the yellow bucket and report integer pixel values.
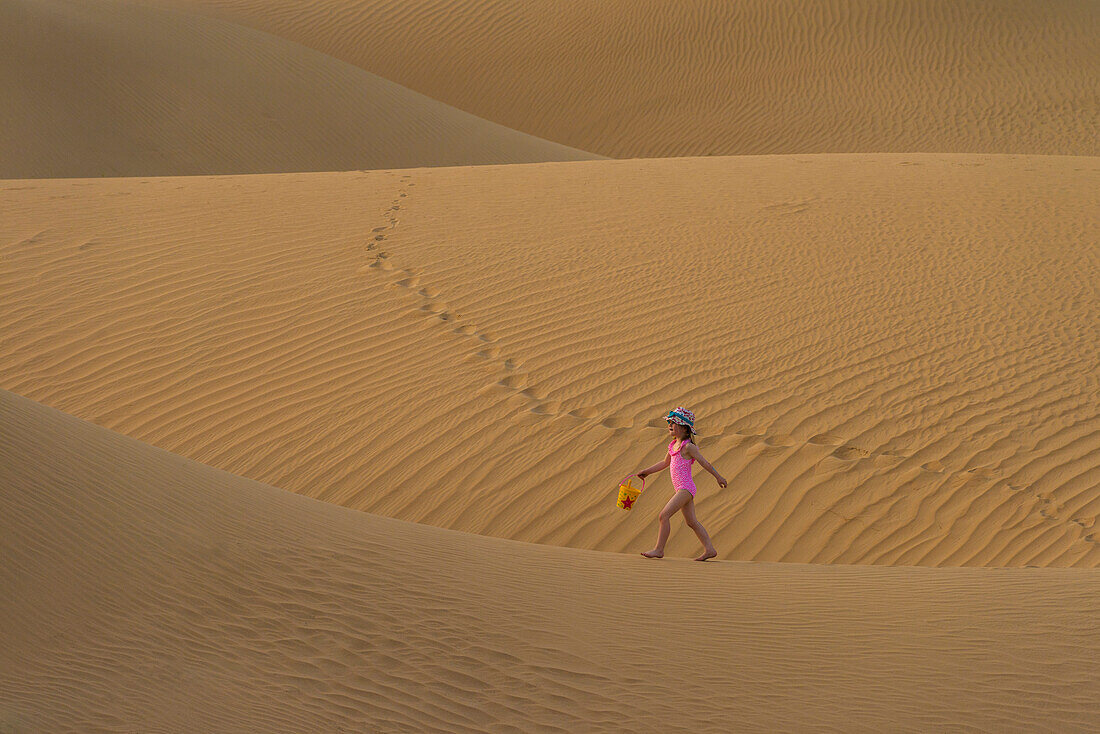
(628, 493)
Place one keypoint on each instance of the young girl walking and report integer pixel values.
(682, 453)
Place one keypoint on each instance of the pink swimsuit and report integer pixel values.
(680, 469)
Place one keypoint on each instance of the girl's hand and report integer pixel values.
(721, 482)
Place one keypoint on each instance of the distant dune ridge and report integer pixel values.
(892, 357)
(110, 88)
(644, 78)
(181, 598)
(859, 239)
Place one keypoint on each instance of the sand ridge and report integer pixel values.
(421, 344)
(147, 591)
(112, 88)
(655, 78)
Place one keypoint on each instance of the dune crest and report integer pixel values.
(656, 78)
(891, 356)
(145, 591)
(109, 88)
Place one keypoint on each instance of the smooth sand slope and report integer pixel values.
(107, 88)
(892, 357)
(645, 78)
(145, 592)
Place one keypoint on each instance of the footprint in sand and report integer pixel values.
(489, 352)
(429, 292)
(510, 364)
(617, 423)
(746, 440)
(851, 453)
(516, 382)
(1052, 505)
(534, 393)
(466, 330)
(552, 407)
(379, 229)
(435, 307)
(933, 466)
(774, 445)
(583, 413)
(410, 282)
(890, 458)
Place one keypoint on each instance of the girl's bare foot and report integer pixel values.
(656, 554)
(708, 554)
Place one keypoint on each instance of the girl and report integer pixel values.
(681, 426)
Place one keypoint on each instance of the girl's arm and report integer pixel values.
(655, 468)
(694, 452)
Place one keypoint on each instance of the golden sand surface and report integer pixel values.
(327, 331)
(113, 88)
(647, 78)
(891, 356)
(152, 593)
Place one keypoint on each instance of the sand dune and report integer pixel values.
(892, 357)
(413, 377)
(145, 592)
(108, 88)
(659, 78)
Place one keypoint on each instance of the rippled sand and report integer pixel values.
(327, 329)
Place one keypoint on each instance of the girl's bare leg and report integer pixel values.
(694, 524)
(681, 498)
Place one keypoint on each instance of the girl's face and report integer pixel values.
(677, 431)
